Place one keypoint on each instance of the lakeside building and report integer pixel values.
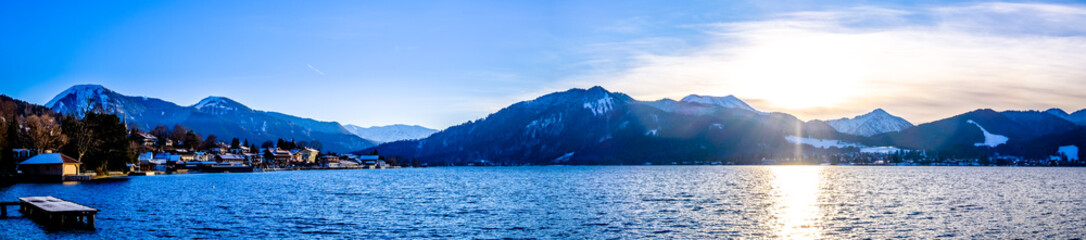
(372, 161)
(145, 139)
(240, 150)
(304, 155)
(50, 167)
(22, 153)
(277, 157)
(254, 159)
(232, 159)
(329, 161)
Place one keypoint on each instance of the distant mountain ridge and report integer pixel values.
(221, 116)
(391, 133)
(1078, 117)
(595, 126)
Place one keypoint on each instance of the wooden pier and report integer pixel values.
(55, 212)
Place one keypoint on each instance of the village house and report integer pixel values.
(240, 150)
(49, 167)
(22, 153)
(254, 159)
(305, 155)
(348, 163)
(372, 161)
(277, 157)
(146, 162)
(329, 161)
(232, 159)
(145, 139)
(219, 148)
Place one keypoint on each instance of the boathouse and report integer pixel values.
(49, 166)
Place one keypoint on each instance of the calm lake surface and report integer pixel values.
(595, 202)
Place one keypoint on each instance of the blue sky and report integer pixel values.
(440, 63)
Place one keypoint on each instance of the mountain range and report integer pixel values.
(221, 116)
(596, 126)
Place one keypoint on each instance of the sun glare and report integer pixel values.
(798, 73)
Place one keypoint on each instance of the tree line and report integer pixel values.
(99, 141)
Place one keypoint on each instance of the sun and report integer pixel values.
(799, 73)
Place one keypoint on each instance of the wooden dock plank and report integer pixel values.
(53, 204)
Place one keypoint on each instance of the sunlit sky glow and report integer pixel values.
(442, 63)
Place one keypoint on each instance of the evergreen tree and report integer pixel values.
(113, 151)
(192, 140)
(10, 142)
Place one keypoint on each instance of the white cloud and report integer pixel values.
(924, 64)
(314, 69)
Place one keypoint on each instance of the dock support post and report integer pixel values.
(4, 211)
(90, 221)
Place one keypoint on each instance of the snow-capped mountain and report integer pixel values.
(875, 122)
(729, 101)
(221, 116)
(219, 106)
(391, 133)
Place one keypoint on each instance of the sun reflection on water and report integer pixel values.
(796, 191)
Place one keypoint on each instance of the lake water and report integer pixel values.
(596, 202)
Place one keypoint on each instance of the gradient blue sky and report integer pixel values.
(440, 63)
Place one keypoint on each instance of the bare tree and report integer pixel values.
(42, 132)
(83, 138)
(178, 133)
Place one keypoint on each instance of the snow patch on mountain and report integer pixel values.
(212, 102)
(548, 125)
(821, 143)
(880, 150)
(875, 122)
(600, 106)
(990, 140)
(563, 158)
(218, 105)
(729, 101)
